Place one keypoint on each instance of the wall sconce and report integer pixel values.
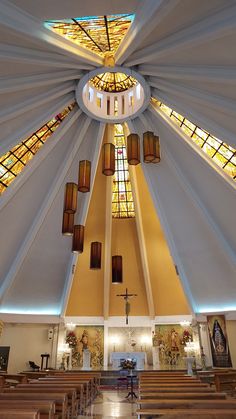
(157, 158)
(78, 239)
(70, 198)
(145, 341)
(67, 224)
(84, 176)
(148, 147)
(108, 159)
(133, 149)
(117, 276)
(95, 255)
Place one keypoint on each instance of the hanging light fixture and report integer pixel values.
(70, 198)
(67, 224)
(148, 147)
(84, 176)
(78, 239)
(133, 149)
(157, 158)
(117, 277)
(95, 255)
(108, 159)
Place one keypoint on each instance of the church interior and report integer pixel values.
(117, 184)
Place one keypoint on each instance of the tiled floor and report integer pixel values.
(111, 404)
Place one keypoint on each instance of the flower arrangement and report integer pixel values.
(187, 337)
(128, 364)
(71, 339)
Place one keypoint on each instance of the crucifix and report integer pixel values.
(126, 297)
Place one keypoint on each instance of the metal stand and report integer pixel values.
(131, 393)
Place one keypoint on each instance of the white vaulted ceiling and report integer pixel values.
(185, 49)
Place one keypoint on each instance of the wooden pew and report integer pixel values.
(59, 398)
(19, 414)
(82, 389)
(225, 381)
(187, 413)
(175, 389)
(200, 395)
(87, 391)
(18, 378)
(186, 404)
(172, 385)
(46, 408)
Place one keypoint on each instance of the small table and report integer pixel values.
(131, 393)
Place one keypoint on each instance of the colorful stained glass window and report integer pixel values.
(96, 33)
(223, 154)
(14, 161)
(113, 82)
(122, 197)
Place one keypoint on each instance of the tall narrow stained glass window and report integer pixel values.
(14, 161)
(122, 197)
(222, 154)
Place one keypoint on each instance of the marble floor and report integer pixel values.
(111, 404)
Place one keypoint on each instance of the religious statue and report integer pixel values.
(84, 340)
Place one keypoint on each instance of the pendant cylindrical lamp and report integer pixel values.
(78, 239)
(108, 159)
(133, 149)
(95, 255)
(70, 198)
(84, 176)
(148, 147)
(117, 276)
(67, 224)
(157, 158)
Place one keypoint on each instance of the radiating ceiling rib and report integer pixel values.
(217, 25)
(35, 162)
(213, 74)
(192, 164)
(138, 127)
(219, 103)
(32, 103)
(27, 26)
(20, 128)
(29, 56)
(200, 116)
(146, 18)
(14, 84)
(83, 205)
(39, 218)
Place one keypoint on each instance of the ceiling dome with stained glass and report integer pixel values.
(55, 89)
(113, 82)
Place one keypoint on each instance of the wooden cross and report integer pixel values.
(126, 297)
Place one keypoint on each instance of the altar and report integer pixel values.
(117, 357)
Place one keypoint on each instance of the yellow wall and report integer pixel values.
(169, 298)
(125, 243)
(86, 297)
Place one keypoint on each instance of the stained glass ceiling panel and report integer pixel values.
(96, 33)
(113, 82)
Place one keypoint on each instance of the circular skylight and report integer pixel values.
(113, 96)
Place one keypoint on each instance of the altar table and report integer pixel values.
(117, 357)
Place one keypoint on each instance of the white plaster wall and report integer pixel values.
(231, 332)
(27, 342)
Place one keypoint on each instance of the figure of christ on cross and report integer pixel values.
(126, 297)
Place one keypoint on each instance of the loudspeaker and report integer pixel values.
(50, 334)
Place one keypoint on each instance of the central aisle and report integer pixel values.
(111, 404)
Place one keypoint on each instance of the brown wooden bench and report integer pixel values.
(18, 378)
(186, 404)
(82, 390)
(87, 389)
(175, 389)
(187, 413)
(46, 408)
(225, 381)
(9, 413)
(170, 385)
(202, 396)
(59, 398)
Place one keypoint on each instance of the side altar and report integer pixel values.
(117, 357)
